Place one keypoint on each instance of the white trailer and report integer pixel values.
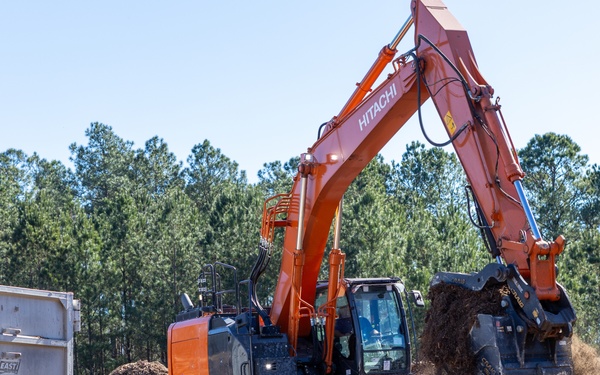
(36, 331)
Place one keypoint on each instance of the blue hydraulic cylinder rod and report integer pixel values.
(527, 209)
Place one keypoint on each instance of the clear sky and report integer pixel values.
(257, 78)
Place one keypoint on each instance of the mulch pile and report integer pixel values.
(445, 340)
(586, 359)
(423, 368)
(141, 368)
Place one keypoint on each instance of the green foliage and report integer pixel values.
(276, 178)
(129, 230)
(580, 274)
(590, 207)
(554, 170)
(14, 182)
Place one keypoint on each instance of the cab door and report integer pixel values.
(382, 339)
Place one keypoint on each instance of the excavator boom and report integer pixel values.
(336, 159)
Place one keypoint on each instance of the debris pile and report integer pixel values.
(445, 341)
(141, 368)
(586, 359)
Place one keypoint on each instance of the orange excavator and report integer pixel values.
(360, 326)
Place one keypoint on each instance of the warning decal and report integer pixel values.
(450, 125)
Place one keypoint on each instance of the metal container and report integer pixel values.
(36, 331)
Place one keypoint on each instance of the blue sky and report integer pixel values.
(258, 78)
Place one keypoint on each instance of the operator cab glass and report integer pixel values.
(370, 330)
(382, 329)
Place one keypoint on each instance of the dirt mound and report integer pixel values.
(141, 368)
(586, 360)
(445, 340)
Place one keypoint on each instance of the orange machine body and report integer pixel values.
(187, 349)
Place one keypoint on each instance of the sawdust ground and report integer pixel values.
(586, 359)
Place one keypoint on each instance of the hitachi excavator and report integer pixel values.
(359, 326)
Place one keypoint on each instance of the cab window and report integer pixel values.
(382, 329)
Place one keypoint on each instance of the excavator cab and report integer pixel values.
(371, 329)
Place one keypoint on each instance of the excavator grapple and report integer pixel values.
(486, 313)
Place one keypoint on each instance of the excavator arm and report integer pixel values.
(463, 100)
(475, 126)
(326, 170)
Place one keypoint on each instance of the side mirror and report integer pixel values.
(418, 298)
